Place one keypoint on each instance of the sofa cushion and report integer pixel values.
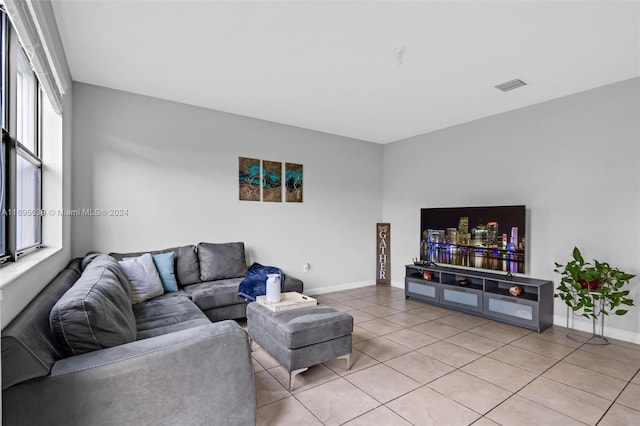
(186, 262)
(290, 283)
(165, 314)
(215, 294)
(165, 265)
(96, 312)
(221, 261)
(143, 277)
(28, 347)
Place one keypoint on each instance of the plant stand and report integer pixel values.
(594, 339)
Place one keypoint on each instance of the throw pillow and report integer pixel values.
(221, 261)
(144, 278)
(164, 265)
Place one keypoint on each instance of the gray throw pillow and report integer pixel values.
(96, 311)
(143, 277)
(221, 261)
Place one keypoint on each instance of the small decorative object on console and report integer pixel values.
(426, 275)
(515, 290)
(464, 282)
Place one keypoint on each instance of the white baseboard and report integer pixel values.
(587, 326)
(349, 286)
(398, 284)
(340, 287)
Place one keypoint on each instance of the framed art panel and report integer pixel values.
(271, 181)
(293, 182)
(249, 179)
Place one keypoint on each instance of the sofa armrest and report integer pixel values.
(291, 284)
(200, 375)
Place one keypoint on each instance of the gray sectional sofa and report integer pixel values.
(81, 353)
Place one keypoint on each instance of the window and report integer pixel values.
(27, 200)
(3, 218)
(4, 252)
(25, 102)
(3, 65)
(20, 156)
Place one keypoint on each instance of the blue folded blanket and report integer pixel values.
(254, 283)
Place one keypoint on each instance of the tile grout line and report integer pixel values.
(565, 384)
(618, 396)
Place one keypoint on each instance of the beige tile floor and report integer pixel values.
(418, 364)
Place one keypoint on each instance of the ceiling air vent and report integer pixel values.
(510, 85)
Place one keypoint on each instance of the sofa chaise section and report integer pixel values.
(196, 376)
(81, 353)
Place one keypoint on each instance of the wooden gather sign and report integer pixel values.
(383, 254)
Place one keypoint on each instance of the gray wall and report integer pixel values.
(175, 169)
(572, 161)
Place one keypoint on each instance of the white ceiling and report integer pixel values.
(330, 66)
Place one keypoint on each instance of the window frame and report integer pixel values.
(5, 255)
(12, 149)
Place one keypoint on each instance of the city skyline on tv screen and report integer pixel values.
(490, 237)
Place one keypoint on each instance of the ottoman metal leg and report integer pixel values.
(293, 374)
(348, 358)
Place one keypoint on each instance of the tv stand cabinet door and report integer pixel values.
(423, 290)
(512, 310)
(467, 299)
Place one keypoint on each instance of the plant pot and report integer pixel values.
(591, 285)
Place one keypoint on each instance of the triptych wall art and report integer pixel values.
(267, 181)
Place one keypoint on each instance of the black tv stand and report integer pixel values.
(485, 294)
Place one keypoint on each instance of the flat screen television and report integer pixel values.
(477, 237)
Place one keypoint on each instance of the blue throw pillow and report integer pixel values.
(164, 265)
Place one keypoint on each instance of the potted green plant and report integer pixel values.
(593, 289)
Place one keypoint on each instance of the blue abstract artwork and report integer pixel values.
(249, 179)
(271, 181)
(293, 182)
